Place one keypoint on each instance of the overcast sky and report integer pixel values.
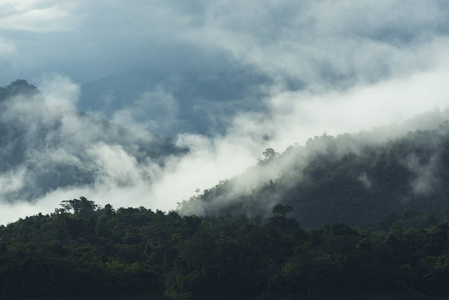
(334, 66)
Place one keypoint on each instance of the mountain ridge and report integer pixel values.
(339, 179)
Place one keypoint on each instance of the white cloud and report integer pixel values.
(299, 115)
(360, 65)
(59, 91)
(10, 6)
(115, 166)
(48, 19)
(324, 42)
(156, 110)
(208, 162)
(295, 117)
(52, 152)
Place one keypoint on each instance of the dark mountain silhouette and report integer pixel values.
(18, 87)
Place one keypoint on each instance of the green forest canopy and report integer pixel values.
(99, 252)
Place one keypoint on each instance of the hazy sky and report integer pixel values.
(334, 66)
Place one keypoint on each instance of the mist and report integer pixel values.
(51, 152)
(302, 69)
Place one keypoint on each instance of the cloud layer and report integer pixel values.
(250, 75)
(48, 148)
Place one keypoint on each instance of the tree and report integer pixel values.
(80, 206)
(269, 154)
(280, 210)
(108, 210)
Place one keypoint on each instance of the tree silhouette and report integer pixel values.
(280, 210)
(80, 206)
(269, 154)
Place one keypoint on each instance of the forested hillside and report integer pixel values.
(348, 178)
(340, 218)
(87, 251)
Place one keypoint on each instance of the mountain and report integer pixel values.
(259, 235)
(45, 145)
(344, 179)
(17, 87)
(201, 103)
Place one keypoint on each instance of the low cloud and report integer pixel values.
(154, 111)
(325, 44)
(426, 180)
(373, 112)
(50, 149)
(119, 173)
(332, 66)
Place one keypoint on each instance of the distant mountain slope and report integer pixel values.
(173, 104)
(17, 87)
(339, 179)
(45, 145)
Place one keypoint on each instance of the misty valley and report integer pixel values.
(351, 216)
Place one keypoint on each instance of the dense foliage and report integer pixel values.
(341, 179)
(83, 250)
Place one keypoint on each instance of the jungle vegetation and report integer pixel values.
(83, 250)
